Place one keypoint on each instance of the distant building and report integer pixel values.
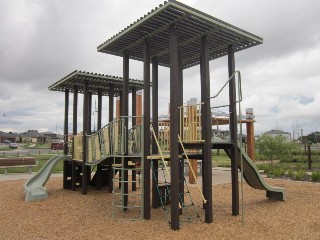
(274, 133)
(30, 136)
(12, 137)
(33, 136)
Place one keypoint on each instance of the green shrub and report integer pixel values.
(290, 173)
(300, 175)
(278, 172)
(315, 177)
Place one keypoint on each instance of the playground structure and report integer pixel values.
(177, 36)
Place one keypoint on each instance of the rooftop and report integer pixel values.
(96, 81)
(191, 25)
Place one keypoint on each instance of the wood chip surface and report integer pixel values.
(71, 215)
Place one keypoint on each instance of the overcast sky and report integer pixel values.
(44, 40)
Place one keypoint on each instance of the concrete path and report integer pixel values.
(25, 176)
(219, 175)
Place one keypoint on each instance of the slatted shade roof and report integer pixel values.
(191, 26)
(95, 82)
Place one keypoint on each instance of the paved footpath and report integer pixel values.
(219, 175)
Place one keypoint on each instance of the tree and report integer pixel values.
(313, 137)
(274, 147)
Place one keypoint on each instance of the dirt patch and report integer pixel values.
(71, 215)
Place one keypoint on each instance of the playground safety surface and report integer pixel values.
(71, 215)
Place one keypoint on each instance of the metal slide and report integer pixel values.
(34, 187)
(254, 179)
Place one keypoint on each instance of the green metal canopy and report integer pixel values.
(191, 25)
(96, 82)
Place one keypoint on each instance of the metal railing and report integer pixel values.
(239, 116)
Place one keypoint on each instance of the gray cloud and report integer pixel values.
(42, 41)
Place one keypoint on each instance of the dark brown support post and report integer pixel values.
(206, 128)
(75, 111)
(146, 129)
(309, 156)
(202, 122)
(74, 132)
(99, 109)
(99, 116)
(134, 106)
(134, 122)
(125, 87)
(155, 116)
(180, 103)
(90, 113)
(89, 132)
(111, 102)
(174, 121)
(66, 121)
(125, 112)
(66, 166)
(233, 133)
(86, 118)
(111, 110)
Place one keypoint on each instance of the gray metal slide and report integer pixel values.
(34, 187)
(254, 179)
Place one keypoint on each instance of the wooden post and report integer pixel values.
(66, 166)
(99, 109)
(66, 118)
(250, 135)
(89, 112)
(125, 112)
(174, 121)
(233, 133)
(75, 111)
(192, 118)
(118, 108)
(111, 102)
(155, 116)
(74, 132)
(86, 114)
(134, 105)
(146, 129)
(309, 156)
(139, 106)
(206, 128)
(180, 120)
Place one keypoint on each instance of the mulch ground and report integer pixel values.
(71, 215)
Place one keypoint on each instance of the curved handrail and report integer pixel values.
(240, 125)
(230, 78)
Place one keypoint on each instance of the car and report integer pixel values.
(57, 145)
(13, 145)
(6, 141)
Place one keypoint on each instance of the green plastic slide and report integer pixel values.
(253, 177)
(34, 187)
